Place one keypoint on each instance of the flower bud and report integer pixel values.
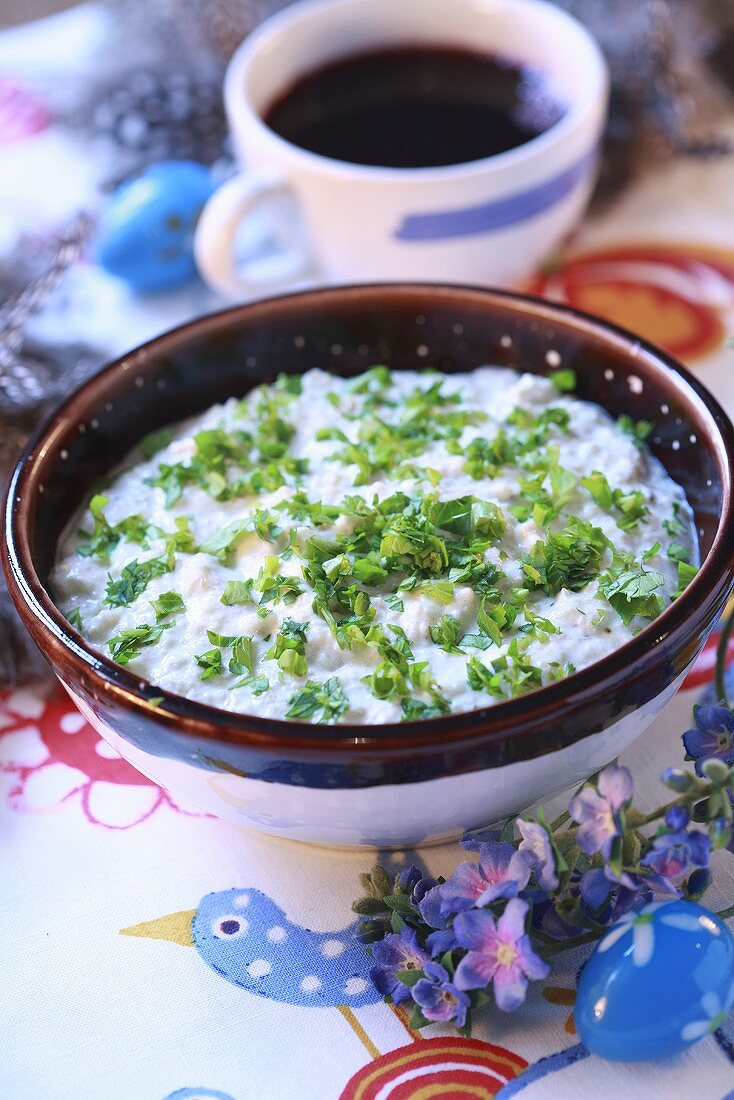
(370, 930)
(407, 880)
(699, 882)
(677, 779)
(715, 770)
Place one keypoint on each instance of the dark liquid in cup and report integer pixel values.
(415, 107)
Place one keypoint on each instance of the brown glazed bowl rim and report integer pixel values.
(510, 722)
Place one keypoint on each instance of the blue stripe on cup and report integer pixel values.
(498, 214)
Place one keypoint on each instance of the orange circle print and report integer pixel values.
(674, 295)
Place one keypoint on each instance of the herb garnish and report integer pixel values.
(168, 603)
(327, 697)
(637, 430)
(361, 556)
(105, 536)
(133, 580)
(569, 559)
(154, 442)
(211, 662)
(126, 645)
(564, 379)
(631, 505)
(75, 618)
(289, 648)
(632, 590)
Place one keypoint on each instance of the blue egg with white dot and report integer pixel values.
(247, 939)
(146, 235)
(659, 980)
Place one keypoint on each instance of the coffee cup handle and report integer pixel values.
(214, 239)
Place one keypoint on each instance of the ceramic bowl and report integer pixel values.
(387, 785)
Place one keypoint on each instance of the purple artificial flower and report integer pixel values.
(596, 885)
(412, 881)
(407, 879)
(713, 735)
(536, 845)
(398, 951)
(676, 818)
(429, 907)
(501, 873)
(438, 997)
(673, 855)
(606, 896)
(596, 810)
(499, 952)
(472, 842)
(440, 941)
(421, 888)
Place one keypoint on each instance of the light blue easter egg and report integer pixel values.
(661, 979)
(145, 236)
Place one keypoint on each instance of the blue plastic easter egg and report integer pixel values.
(661, 979)
(145, 236)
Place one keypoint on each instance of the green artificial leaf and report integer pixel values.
(410, 977)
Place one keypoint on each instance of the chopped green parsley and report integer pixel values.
(327, 700)
(472, 575)
(127, 645)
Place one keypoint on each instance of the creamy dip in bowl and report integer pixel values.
(373, 605)
(394, 546)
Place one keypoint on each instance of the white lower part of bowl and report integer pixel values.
(404, 815)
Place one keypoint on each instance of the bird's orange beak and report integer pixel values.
(175, 927)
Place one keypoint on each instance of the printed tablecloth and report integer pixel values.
(106, 990)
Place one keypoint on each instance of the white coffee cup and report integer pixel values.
(486, 221)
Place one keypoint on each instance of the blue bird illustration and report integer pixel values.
(246, 938)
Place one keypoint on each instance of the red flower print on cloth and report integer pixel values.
(679, 295)
(463, 1069)
(54, 755)
(22, 113)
